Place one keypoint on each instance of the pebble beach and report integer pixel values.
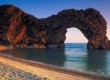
(10, 73)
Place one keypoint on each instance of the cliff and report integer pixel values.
(22, 30)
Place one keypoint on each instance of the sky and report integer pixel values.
(45, 8)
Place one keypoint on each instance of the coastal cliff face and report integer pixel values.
(23, 30)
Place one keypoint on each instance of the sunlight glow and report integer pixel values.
(74, 35)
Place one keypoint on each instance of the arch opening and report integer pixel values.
(74, 35)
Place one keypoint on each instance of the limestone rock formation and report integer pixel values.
(23, 30)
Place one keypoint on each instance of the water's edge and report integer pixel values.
(89, 75)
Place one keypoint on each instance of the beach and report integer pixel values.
(43, 71)
(10, 73)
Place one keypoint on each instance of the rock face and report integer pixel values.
(23, 30)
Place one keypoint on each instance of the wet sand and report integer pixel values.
(47, 71)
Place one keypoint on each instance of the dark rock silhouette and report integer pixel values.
(23, 30)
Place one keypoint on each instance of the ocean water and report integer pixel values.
(73, 56)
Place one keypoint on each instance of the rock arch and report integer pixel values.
(50, 32)
(90, 22)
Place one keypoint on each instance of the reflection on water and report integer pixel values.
(98, 61)
(73, 56)
(49, 56)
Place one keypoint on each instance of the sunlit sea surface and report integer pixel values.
(73, 56)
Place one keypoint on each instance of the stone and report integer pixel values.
(18, 28)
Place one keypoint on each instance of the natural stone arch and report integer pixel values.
(90, 22)
(28, 31)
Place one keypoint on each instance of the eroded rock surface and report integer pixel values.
(23, 30)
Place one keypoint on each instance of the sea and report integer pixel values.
(74, 56)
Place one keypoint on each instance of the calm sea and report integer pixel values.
(73, 56)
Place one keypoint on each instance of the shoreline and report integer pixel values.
(46, 70)
(49, 71)
(38, 69)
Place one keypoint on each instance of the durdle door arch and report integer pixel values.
(90, 22)
(50, 32)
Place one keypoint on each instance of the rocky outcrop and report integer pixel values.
(20, 29)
